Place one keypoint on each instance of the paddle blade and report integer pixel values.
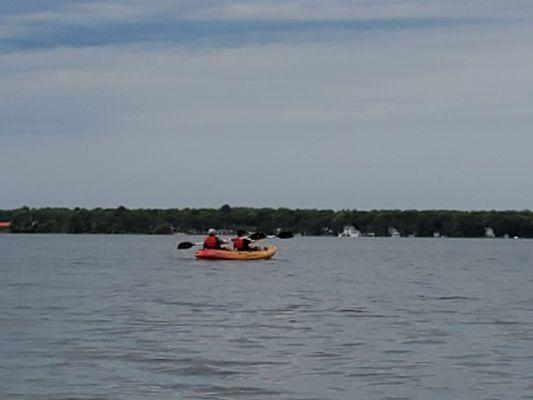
(257, 236)
(185, 245)
(285, 235)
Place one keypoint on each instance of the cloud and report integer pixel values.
(216, 34)
(397, 111)
(234, 23)
(342, 10)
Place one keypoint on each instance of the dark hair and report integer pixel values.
(240, 232)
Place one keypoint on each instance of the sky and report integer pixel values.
(359, 104)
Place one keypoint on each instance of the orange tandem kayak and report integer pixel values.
(210, 254)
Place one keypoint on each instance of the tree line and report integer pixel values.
(426, 223)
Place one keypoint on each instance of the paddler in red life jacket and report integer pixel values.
(212, 241)
(242, 243)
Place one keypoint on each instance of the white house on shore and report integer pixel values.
(393, 232)
(489, 232)
(350, 231)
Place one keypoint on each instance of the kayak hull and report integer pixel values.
(210, 254)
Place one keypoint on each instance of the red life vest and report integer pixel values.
(211, 242)
(239, 244)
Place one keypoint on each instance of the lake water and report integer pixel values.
(130, 317)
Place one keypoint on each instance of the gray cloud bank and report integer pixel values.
(403, 104)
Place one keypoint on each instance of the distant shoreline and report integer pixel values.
(307, 222)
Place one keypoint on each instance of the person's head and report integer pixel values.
(212, 232)
(240, 233)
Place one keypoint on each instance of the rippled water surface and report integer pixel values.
(130, 317)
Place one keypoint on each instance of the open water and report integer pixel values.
(130, 317)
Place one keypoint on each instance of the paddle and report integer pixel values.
(253, 236)
(187, 245)
(262, 235)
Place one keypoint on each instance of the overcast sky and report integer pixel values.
(304, 103)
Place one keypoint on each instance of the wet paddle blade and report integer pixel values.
(285, 235)
(257, 236)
